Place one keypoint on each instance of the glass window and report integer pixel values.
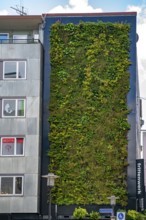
(11, 185)
(4, 37)
(9, 107)
(13, 107)
(7, 185)
(14, 70)
(8, 146)
(36, 38)
(22, 70)
(10, 69)
(11, 146)
(20, 38)
(18, 185)
(19, 146)
(20, 108)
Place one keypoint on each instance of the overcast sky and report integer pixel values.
(36, 7)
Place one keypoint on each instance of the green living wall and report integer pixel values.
(88, 111)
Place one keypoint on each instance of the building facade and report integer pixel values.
(20, 125)
(24, 97)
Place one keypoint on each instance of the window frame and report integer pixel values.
(15, 147)
(17, 69)
(14, 186)
(16, 108)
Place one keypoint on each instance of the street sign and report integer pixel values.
(120, 215)
(105, 210)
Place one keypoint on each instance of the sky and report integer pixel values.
(38, 7)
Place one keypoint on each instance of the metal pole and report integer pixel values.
(113, 210)
(49, 211)
(56, 212)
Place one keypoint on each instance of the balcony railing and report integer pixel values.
(19, 41)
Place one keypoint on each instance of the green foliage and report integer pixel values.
(134, 215)
(80, 213)
(95, 215)
(88, 111)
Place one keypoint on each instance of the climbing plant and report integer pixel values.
(88, 111)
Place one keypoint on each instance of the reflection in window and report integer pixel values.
(14, 69)
(8, 146)
(19, 146)
(7, 185)
(9, 107)
(11, 185)
(21, 69)
(11, 146)
(13, 107)
(20, 108)
(20, 38)
(18, 185)
(4, 37)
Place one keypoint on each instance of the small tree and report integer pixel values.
(80, 213)
(134, 215)
(94, 215)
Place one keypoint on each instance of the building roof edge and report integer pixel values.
(91, 14)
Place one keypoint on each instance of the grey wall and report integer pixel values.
(29, 126)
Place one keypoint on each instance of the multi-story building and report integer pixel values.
(133, 147)
(24, 97)
(20, 111)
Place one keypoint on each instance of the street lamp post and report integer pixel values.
(113, 203)
(50, 184)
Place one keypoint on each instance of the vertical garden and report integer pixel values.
(88, 111)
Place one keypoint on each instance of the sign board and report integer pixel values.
(106, 210)
(120, 215)
(140, 189)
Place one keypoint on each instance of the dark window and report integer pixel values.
(11, 185)
(14, 70)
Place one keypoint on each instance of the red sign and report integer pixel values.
(20, 140)
(8, 140)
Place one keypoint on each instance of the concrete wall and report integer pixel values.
(29, 126)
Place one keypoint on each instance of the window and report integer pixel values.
(14, 70)
(20, 38)
(11, 146)
(4, 37)
(13, 107)
(11, 185)
(36, 37)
